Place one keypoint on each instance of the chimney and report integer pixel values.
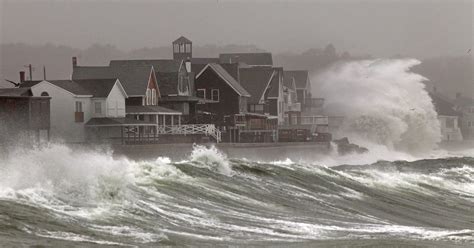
(74, 62)
(188, 65)
(22, 76)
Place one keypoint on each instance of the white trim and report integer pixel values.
(121, 88)
(201, 89)
(61, 89)
(261, 100)
(218, 95)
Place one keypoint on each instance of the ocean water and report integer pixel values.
(62, 197)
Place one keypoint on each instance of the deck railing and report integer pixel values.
(206, 129)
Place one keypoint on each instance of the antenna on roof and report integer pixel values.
(44, 72)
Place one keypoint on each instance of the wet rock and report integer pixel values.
(345, 147)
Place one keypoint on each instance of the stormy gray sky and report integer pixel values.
(418, 28)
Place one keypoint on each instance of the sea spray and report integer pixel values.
(382, 102)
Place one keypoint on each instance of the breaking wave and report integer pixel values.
(383, 102)
(61, 196)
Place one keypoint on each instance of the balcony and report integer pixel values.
(314, 102)
(314, 120)
(293, 107)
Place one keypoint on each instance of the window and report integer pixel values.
(257, 108)
(153, 97)
(78, 106)
(44, 93)
(98, 107)
(201, 93)
(79, 115)
(215, 95)
(148, 97)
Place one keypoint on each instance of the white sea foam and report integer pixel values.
(383, 103)
(211, 158)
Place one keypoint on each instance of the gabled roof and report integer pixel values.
(289, 82)
(224, 75)
(254, 59)
(15, 92)
(160, 65)
(301, 78)
(204, 60)
(134, 79)
(255, 81)
(182, 39)
(86, 87)
(274, 86)
(442, 106)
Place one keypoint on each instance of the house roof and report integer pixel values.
(166, 72)
(15, 92)
(275, 83)
(114, 122)
(139, 109)
(262, 59)
(442, 106)
(464, 101)
(204, 60)
(222, 73)
(301, 78)
(232, 69)
(94, 87)
(288, 81)
(160, 65)
(134, 79)
(182, 39)
(255, 81)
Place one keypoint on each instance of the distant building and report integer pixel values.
(23, 117)
(448, 118)
(465, 106)
(251, 59)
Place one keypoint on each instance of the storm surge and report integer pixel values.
(384, 104)
(58, 196)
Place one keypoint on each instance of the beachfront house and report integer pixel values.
(465, 106)
(448, 118)
(224, 95)
(23, 117)
(86, 110)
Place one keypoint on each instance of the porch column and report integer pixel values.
(164, 120)
(121, 134)
(179, 120)
(172, 120)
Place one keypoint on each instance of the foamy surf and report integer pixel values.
(86, 197)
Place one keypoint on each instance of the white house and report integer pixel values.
(79, 105)
(448, 119)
